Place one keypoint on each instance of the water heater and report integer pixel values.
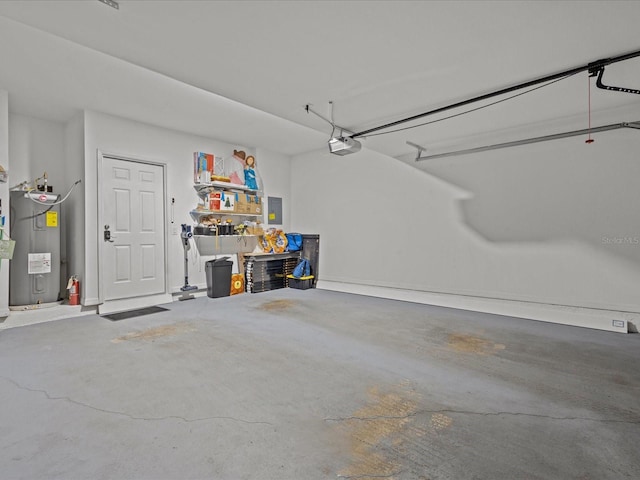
(34, 275)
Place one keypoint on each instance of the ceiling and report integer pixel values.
(243, 71)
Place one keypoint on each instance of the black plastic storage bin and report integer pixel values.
(302, 283)
(218, 277)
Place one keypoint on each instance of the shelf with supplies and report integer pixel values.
(203, 189)
(215, 201)
(216, 244)
(228, 217)
(198, 214)
(232, 226)
(223, 224)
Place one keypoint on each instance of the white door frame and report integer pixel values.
(135, 302)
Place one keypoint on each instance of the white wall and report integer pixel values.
(275, 170)
(118, 136)
(554, 223)
(37, 146)
(4, 196)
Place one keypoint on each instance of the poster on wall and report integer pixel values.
(39, 263)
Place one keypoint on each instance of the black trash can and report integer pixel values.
(218, 277)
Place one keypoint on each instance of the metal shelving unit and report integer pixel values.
(217, 244)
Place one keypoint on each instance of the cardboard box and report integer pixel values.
(248, 203)
(243, 205)
(255, 205)
(255, 230)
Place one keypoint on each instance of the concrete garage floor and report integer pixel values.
(313, 384)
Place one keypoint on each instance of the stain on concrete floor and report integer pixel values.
(154, 333)
(277, 305)
(389, 435)
(464, 343)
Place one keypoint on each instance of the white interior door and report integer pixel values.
(133, 236)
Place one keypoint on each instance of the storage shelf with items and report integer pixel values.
(206, 188)
(214, 245)
(229, 215)
(269, 271)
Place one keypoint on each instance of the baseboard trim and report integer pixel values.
(91, 302)
(608, 320)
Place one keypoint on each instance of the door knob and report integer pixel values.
(107, 234)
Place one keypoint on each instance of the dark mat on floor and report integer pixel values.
(134, 313)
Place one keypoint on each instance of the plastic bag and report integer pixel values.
(6, 246)
(294, 242)
(303, 269)
(274, 241)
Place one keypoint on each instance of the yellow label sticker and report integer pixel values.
(52, 219)
(272, 216)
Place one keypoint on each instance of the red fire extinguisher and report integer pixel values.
(74, 290)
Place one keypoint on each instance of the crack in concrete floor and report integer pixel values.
(124, 414)
(387, 431)
(486, 414)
